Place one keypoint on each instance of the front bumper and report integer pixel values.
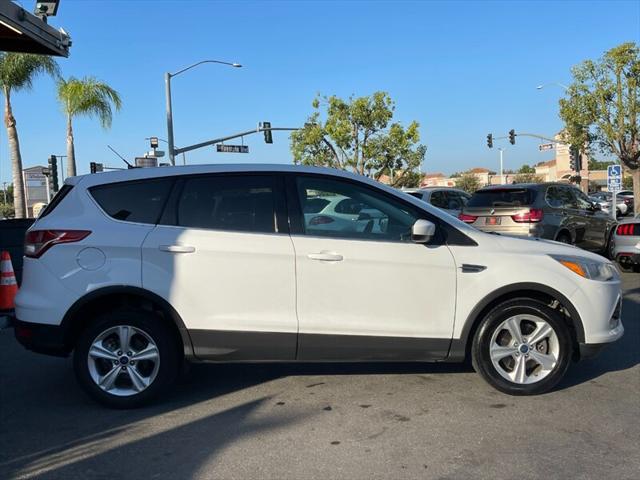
(41, 338)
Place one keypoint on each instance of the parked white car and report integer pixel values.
(134, 271)
(605, 199)
(450, 200)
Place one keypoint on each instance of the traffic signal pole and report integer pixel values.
(258, 129)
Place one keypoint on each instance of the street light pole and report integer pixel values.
(167, 80)
(501, 176)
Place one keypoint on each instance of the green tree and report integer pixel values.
(526, 169)
(86, 96)
(527, 177)
(17, 72)
(601, 108)
(358, 135)
(468, 182)
(599, 165)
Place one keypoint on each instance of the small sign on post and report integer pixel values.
(614, 184)
(546, 146)
(614, 178)
(222, 148)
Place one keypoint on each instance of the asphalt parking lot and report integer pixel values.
(327, 421)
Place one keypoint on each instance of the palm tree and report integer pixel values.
(17, 71)
(86, 96)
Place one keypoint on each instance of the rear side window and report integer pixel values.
(139, 202)
(439, 199)
(502, 197)
(56, 200)
(234, 203)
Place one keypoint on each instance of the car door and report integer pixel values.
(595, 222)
(222, 257)
(372, 293)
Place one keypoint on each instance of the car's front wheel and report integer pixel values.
(126, 358)
(522, 347)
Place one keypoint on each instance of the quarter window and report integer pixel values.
(139, 201)
(233, 203)
(353, 212)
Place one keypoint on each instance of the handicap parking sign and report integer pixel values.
(614, 178)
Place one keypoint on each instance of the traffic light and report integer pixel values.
(490, 141)
(93, 168)
(512, 136)
(575, 159)
(268, 138)
(53, 169)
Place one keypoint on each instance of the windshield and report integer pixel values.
(503, 197)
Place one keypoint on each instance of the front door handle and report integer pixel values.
(326, 257)
(177, 248)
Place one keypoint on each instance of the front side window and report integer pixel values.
(137, 201)
(353, 211)
(232, 203)
(583, 201)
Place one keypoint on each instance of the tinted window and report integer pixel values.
(560, 197)
(55, 201)
(377, 217)
(583, 201)
(139, 202)
(315, 205)
(234, 203)
(349, 206)
(502, 197)
(418, 195)
(439, 199)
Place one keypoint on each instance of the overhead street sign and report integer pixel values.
(546, 146)
(222, 148)
(614, 178)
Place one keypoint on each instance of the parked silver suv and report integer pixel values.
(554, 211)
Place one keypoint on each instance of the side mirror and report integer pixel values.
(422, 231)
(596, 206)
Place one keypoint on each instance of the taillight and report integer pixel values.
(467, 218)
(533, 215)
(39, 241)
(626, 229)
(320, 220)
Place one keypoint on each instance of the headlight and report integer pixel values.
(587, 268)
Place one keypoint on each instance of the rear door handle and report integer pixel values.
(326, 257)
(177, 248)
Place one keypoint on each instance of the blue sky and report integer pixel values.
(461, 69)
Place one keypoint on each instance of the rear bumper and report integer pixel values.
(41, 338)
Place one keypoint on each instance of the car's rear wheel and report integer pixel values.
(522, 347)
(126, 358)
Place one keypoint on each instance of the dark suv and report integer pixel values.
(554, 211)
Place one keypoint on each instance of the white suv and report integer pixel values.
(136, 271)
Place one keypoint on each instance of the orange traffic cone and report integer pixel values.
(8, 284)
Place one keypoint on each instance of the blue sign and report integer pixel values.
(614, 178)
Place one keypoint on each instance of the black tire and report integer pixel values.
(480, 353)
(170, 358)
(564, 237)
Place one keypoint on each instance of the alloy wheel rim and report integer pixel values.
(524, 349)
(123, 360)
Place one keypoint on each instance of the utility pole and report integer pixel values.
(501, 176)
(167, 82)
